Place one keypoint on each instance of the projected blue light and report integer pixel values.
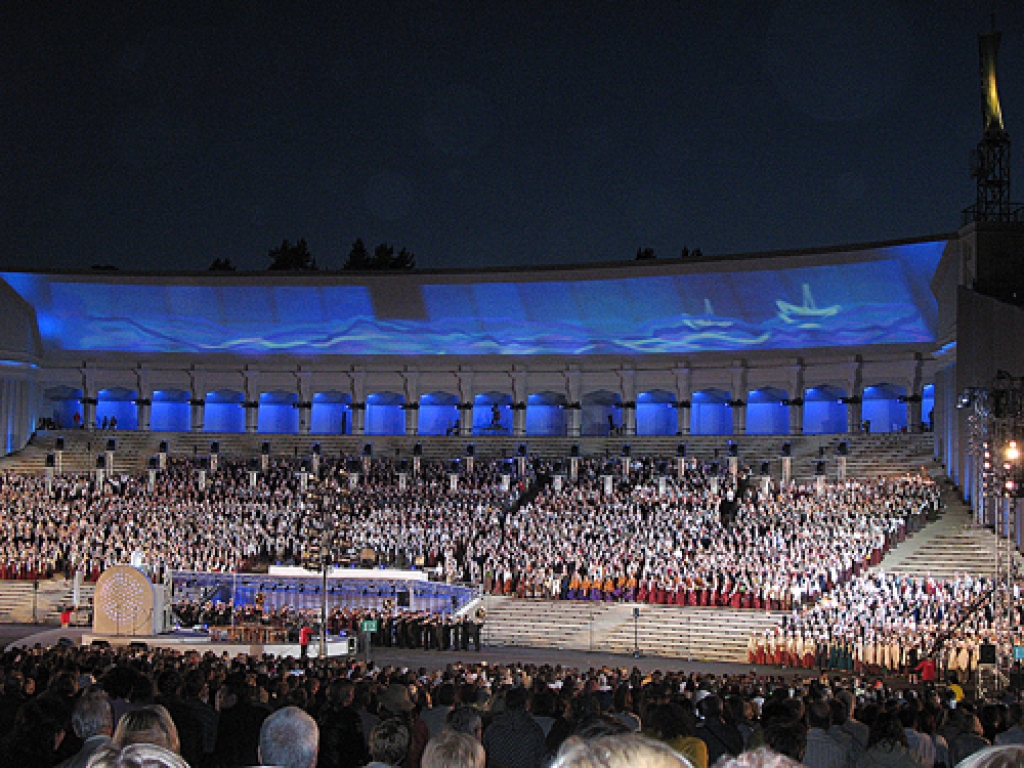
(877, 297)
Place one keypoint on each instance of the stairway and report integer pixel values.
(953, 544)
(702, 634)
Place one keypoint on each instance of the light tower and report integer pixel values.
(990, 161)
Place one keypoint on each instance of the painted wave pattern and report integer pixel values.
(847, 326)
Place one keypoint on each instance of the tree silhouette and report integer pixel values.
(642, 254)
(222, 265)
(294, 258)
(382, 259)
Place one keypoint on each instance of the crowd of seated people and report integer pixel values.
(890, 623)
(654, 538)
(212, 711)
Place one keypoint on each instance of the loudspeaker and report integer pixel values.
(470, 449)
(626, 450)
(787, 449)
(51, 460)
(100, 643)
(681, 450)
(455, 603)
(368, 449)
(417, 450)
(215, 447)
(819, 468)
(59, 445)
(403, 599)
(111, 445)
(101, 462)
(574, 451)
(521, 450)
(265, 448)
(766, 468)
(163, 446)
(734, 449)
(154, 462)
(316, 449)
(844, 449)
(987, 653)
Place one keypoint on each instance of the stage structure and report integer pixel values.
(127, 604)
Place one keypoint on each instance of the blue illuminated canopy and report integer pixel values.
(878, 295)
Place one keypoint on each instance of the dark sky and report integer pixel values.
(166, 134)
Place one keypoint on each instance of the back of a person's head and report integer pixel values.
(908, 717)
(848, 699)
(289, 738)
(151, 724)
(1009, 756)
(465, 719)
(787, 737)
(389, 742)
(137, 756)
(517, 698)
(1014, 714)
(92, 714)
(819, 714)
(838, 711)
(629, 750)
(451, 749)
(446, 695)
(887, 732)
(763, 757)
(711, 707)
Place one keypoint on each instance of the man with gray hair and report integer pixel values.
(93, 722)
(451, 749)
(289, 738)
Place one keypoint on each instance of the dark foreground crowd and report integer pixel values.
(89, 706)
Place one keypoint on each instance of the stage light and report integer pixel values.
(1012, 451)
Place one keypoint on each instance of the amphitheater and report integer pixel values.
(833, 363)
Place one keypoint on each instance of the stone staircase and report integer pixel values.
(870, 455)
(702, 634)
(953, 544)
(21, 602)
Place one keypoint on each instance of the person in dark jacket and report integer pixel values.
(342, 741)
(721, 737)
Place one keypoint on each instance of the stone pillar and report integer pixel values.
(305, 416)
(573, 419)
(629, 418)
(358, 418)
(465, 419)
(89, 412)
(519, 419)
(198, 414)
(412, 418)
(914, 412)
(739, 417)
(143, 412)
(683, 417)
(252, 416)
(853, 414)
(796, 416)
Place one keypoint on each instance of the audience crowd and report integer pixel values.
(68, 705)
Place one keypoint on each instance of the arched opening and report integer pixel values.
(711, 413)
(545, 414)
(824, 410)
(602, 413)
(170, 411)
(928, 407)
(225, 411)
(64, 404)
(278, 414)
(331, 414)
(492, 414)
(767, 413)
(115, 407)
(384, 414)
(439, 414)
(656, 413)
(884, 408)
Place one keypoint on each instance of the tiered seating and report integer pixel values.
(20, 602)
(869, 455)
(704, 634)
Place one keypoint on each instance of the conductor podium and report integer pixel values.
(127, 604)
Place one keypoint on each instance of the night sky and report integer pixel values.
(163, 135)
